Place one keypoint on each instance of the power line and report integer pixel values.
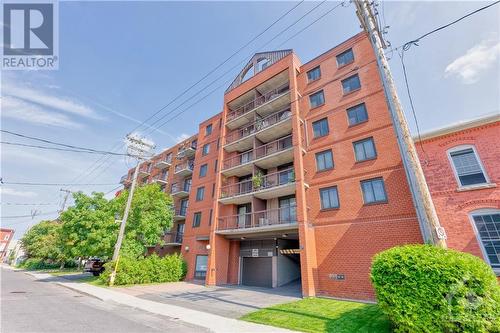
(24, 216)
(55, 184)
(28, 204)
(61, 149)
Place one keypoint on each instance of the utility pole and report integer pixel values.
(429, 223)
(140, 148)
(63, 206)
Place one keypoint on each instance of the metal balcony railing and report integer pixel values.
(173, 237)
(260, 152)
(124, 179)
(266, 97)
(258, 183)
(258, 125)
(181, 211)
(178, 188)
(189, 165)
(277, 216)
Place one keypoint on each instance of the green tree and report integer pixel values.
(42, 241)
(89, 228)
(150, 215)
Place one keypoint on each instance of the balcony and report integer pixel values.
(268, 156)
(266, 129)
(164, 163)
(125, 180)
(187, 151)
(263, 105)
(180, 192)
(264, 187)
(173, 238)
(162, 180)
(279, 219)
(180, 214)
(184, 169)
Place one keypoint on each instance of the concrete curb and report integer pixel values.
(210, 321)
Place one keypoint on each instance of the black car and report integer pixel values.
(94, 266)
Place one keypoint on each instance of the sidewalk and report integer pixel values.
(210, 321)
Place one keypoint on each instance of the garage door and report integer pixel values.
(257, 272)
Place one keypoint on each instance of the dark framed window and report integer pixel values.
(206, 149)
(329, 197)
(324, 160)
(200, 270)
(373, 190)
(364, 150)
(203, 170)
(345, 58)
(320, 128)
(210, 217)
(467, 167)
(314, 74)
(213, 190)
(357, 114)
(351, 83)
(200, 193)
(208, 130)
(316, 99)
(488, 231)
(216, 165)
(197, 219)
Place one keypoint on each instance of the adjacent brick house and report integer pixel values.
(461, 166)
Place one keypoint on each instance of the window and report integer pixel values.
(329, 197)
(210, 217)
(317, 99)
(373, 191)
(487, 224)
(213, 190)
(314, 74)
(196, 219)
(324, 160)
(345, 58)
(467, 167)
(200, 193)
(262, 64)
(364, 150)
(218, 143)
(203, 170)
(208, 130)
(187, 184)
(206, 149)
(200, 271)
(183, 207)
(351, 83)
(320, 128)
(215, 165)
(6, 237)
(357, 114)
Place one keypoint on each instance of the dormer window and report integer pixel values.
(262, 64)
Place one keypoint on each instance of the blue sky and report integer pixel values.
(122, 61)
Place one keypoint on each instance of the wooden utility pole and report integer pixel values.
(429, 223)
(138, 147)
(63, 206)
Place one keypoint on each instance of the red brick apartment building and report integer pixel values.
(461, 166)
(6, 236)
(299, 178)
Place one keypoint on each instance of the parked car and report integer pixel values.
(94, 266)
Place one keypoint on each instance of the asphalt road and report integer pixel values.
(28, 305)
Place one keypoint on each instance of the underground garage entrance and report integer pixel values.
(269, 263)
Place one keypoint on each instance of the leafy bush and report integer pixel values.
(423, 288)
(33, 264)
(151, 269)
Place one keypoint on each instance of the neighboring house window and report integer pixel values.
(467, 166)
(203, 170)
(351, 83)
(357, 114)
(206, 149)
(208, 129)
(487, 224)
(320, 128)
(324, 160)
(317, 99)
(364, 150)
(196, 220)
(314, 74)
(329, 197)
(200, 193)
(373, 190)
(345, 58)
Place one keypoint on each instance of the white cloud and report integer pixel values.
(16, 108)
(475, 61)
(182, 137)
(16, 193)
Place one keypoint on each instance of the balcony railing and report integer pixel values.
(173, 237)
(278, 216)
(258, 125)
(164, 163)
(124, 180)
(187, 151)
(176, 188)
(160, 179)
(181, 211)
(258, 183)
(266, 97)
(260, 152)
(186, 166)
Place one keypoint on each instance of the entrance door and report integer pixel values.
(257, 272)
(201, 267)
(244, 216)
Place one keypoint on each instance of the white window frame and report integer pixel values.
(478, 158)
(483, 211)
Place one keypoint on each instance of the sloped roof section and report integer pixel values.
(258, 63)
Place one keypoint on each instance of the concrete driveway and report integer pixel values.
(227, 301)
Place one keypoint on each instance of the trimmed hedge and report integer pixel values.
(423, 288)
(152, 269)
(33, 264)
